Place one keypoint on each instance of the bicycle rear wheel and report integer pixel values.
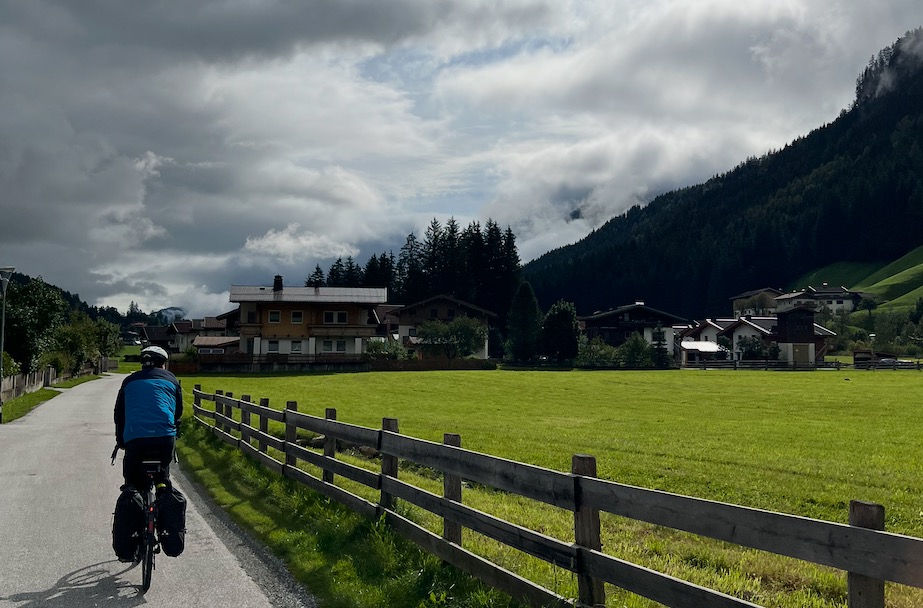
(147, 565)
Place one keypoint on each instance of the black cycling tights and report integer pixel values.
(147, 448)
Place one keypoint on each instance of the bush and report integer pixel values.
(386, 349)
(10, 367)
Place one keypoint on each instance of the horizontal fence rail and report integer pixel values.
(868, 554)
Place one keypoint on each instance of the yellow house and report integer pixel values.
(306, 323)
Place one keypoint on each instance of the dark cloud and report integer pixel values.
(158, 152)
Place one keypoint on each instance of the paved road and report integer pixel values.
(57, 493)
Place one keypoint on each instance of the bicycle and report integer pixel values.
(150, 543)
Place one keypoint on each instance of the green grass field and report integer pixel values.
(803, 443)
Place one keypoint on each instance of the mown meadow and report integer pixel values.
(800, 443)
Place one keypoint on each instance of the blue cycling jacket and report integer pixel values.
(148, 405)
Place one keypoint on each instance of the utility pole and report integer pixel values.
(5, 273)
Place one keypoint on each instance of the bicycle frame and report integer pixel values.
(149, 545)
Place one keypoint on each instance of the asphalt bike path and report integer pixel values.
(57, 494)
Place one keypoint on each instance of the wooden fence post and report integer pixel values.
(388, 463)
(218, 409)
(864, 591)
(229, 412)
(291, 433)
(244, 419)
(264, 424)
(330, 444)
(452, 490)
(590, 591)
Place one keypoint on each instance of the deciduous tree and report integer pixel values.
(560, 332)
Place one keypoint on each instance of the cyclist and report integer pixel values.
(147, 412)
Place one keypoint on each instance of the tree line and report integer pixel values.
(474, 264)
(46, 326)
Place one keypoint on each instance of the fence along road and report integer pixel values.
(57, 493)
(869, 555)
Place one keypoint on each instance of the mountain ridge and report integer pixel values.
(849, 191)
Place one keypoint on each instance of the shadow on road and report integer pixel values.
(96, 585)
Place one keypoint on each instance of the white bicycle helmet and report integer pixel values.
(153, 355)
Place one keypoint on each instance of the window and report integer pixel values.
(273, 346)
(296, 346)
(297, 317)
(335, 317)
(327, 346)
(412, 332)
(251, 316)
(341, 346)
(839, 301)
(433, 313)
(275, 316)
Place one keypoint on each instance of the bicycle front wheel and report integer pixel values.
(147, 565)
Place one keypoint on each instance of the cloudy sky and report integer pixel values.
(160, 151)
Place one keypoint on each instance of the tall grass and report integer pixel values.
(801, 443)
(347, 561)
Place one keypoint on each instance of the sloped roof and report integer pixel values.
(763, 325)
(212, 323)
(753, 292)
(156, 333)
(447, 298)
(351, 295)
(718, 324)
(215, 341)
(627, 308)
(703, 346)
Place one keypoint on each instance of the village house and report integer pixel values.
(615, 326)
(183, 333)
(757, 302)
(833, 298)
(306, 324)
(442, 308)
(799, 338)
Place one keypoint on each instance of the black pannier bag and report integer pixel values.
(171, 522)
(127, 524)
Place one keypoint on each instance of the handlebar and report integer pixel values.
(115, 451)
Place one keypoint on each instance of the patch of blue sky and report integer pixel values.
(413, 69)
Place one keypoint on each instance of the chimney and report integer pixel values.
(277, 283)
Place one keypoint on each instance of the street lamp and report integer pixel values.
(5, 273)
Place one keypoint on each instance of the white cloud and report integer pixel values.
(159, 154)
(290, 244)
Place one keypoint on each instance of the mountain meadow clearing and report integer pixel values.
(799, 443)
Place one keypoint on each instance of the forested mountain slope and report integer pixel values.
(851, 191)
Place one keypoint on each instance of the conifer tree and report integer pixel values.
(336, 276)
(316, 278)
(524, 326)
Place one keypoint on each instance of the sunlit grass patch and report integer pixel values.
(804, 444)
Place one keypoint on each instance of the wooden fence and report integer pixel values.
(870, 555)
(12, 387)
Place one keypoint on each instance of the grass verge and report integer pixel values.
(19, 407)
(345, 560)
(796, 443)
